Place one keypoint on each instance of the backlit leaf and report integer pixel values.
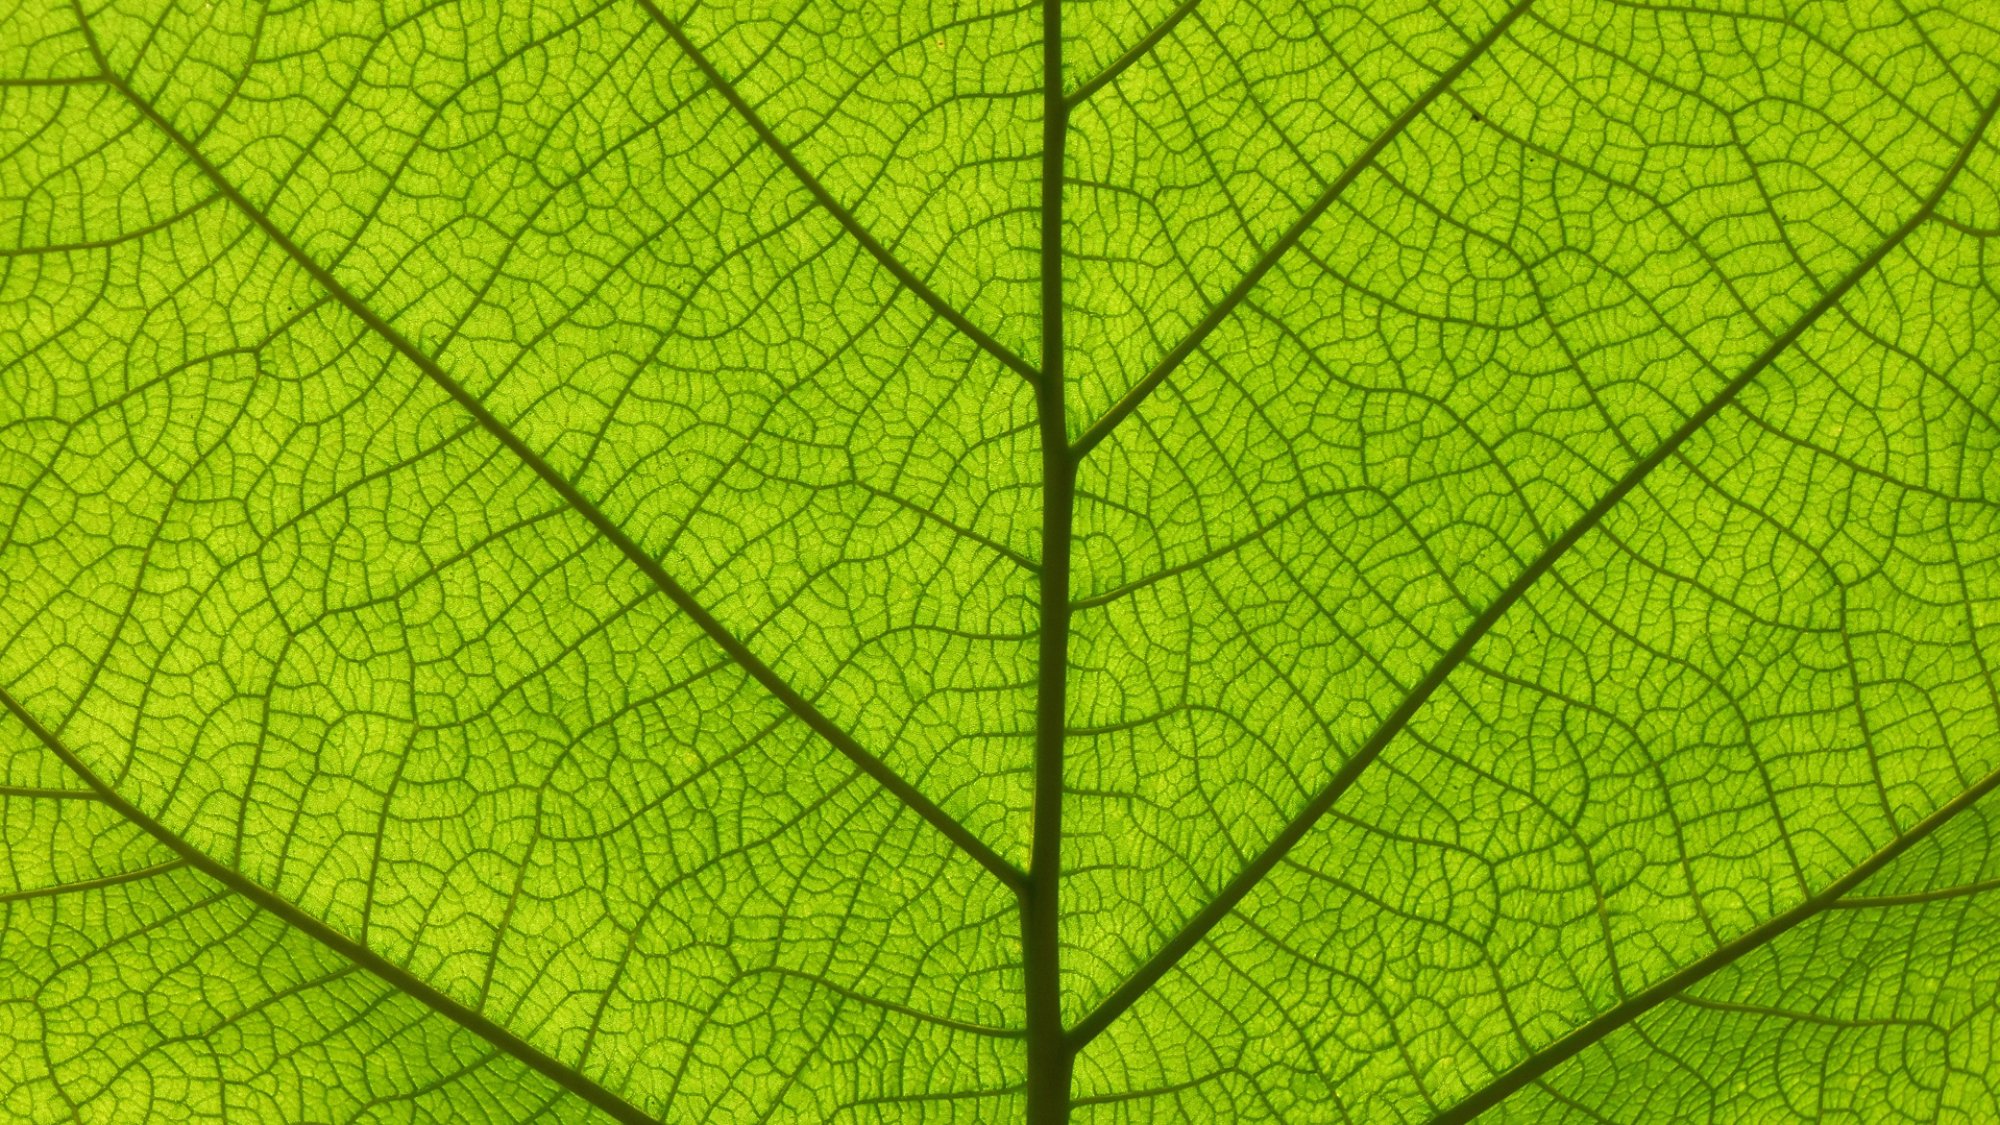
(1248, 560)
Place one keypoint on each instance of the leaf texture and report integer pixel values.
(1240, 560)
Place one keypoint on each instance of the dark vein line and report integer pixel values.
(1218, 908)
(1767, 1012)
(1132, 55)
(394, 975)
(941, 1096)
(93, 884)
(1102, 428)
(1869, 902)
(796, 703)
(1584, 1035)
(812, 184)
(34, 83)
(1049, 1059)
(1153, 1091)
(1259, 532)
(891, 1005)
(991, 544)
(133, 235)
(46, 793)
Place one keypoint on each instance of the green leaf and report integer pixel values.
(1107, 562)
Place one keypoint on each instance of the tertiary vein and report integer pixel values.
(1834, 895)
(1294, 830)
(740, 653)
(396, 976)
(1219, 312)
(902, 273)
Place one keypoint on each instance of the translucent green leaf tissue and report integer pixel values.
(1095, 561)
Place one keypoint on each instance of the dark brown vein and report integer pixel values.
(1253, 873)
(1168, 363)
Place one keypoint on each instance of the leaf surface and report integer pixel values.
(1100, 562)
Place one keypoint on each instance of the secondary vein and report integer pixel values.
(720, 634)
(902, 273)
(1101, 429)
(1253, 873)
(1584, 1035)
(397, 977)
(1133, 54)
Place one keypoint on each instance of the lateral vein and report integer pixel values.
(1101, 429)
(892, 1006)
(1225, 902)
(1132, 54)
(94, 884)
(390, 973)
(1586, 1034)
(902, 273)
(739, 652)
(1917, 898)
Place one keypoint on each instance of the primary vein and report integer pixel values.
(1048, 1056)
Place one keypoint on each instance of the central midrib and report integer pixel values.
(1048, 1049)
(1051, 1047)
